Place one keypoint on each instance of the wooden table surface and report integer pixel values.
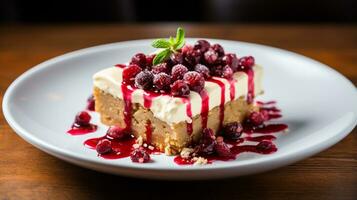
(28, 173)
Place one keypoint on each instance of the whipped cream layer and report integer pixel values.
(172, 110)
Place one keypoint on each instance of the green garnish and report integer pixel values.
(168, 46)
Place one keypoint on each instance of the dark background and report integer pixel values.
(243, 11)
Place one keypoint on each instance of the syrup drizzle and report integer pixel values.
(127, 95)
(148, 132)
(223, 100)
(204, 108)
(148, 97)
(250, 95)
(81, 130)
(232, 88)
(189, 126)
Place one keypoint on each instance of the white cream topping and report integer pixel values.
(172, 110)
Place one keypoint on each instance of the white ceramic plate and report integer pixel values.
(318, 103)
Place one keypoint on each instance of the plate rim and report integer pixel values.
(53, 150)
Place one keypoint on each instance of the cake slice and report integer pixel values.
(173, 122)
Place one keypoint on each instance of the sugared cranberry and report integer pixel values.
(180, 89)
(117, 132)
(186, 48)
(176, 58)
(178, 71)
(104, 146)
(149, 59)
(83, 118)
(144, 80)
(202, 69)
(210, 57)
(222, 148)
(130, 72)
(162, 81)
(256, 118)
(217, 70)
(232, 131)
(192, 57)
(162, 67)
(140, 155)
(246, 62)
(202, 45)
(231, 60)
(91, 103)
(207, 143)
(264, 145)
(227, 72)
(219, 49)
(139, 59)
(194, 80)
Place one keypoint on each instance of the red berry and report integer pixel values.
(217, 70)
(130, 72)
(227, 72)
(207, 143)
(202, 69)
(218, 49)
(104, 146)
(149, 59)
(176, 58)
(264, 145)
(210, 57)
(246, 62)
(117, 132)
(207, 136)
(232, 130)
(222, 149)
(256, 118)
(162, 81)
(144, 80)
(194, 80)
(91, 103)
(180, 89)
(139, 59)
(140, 155)
(162, 67)
(192, 57)
(186, 48)
(202, 45)
(231, 60)
(83, 118)
(178, 71)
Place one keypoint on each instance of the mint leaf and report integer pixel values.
(161, 56)
(161, 43)
(172, 40)
(180, 39)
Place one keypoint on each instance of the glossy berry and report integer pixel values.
(194, 80)
(227, 72)
(207, 136)
(256, 118)
(218, 49)
(222, 149)
(130, 72)
(82, 118)
(232, 131)
(117, 132)
(192, 57)
(139, 59)
(162, 81)
(178, 71)
(149, 59)
(231, 60)
(207, 143)
(176, 58)
(210, 57)
(264, 145)
(202, 45)
(246, 62)
(144, 80)
(104, 146)
(180, 89)
(140, 155)
(162, 67)
(203, 70)
(186, 48)
(91, 103)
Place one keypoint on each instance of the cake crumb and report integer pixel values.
(140, 141)
(200, 161)
(136, 146)
(186, 153)
(168, 150)
(145, 145)
(151, 147)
